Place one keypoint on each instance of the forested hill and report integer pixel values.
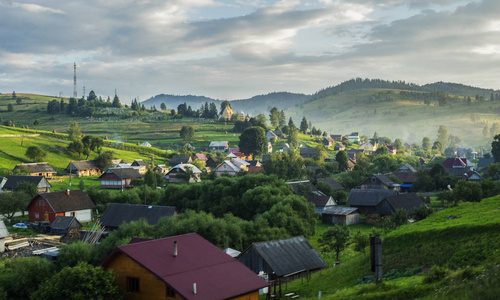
(253, 106)
(359, 84)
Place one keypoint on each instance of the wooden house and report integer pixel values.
(36, 169)
(457, 166)
(118, 213)
(231, 167)
(391, 150)
(328, 141)
(407, 201)
(117, 178)
(271, 135)
(198, 156)
(379, 181)
(483, 163)
(320, 202)
(83, 168)
(181, 267)
(211, 162)
(219, 146)
(336, 137)
(368, 147)
(162, 169)
(338, 147)
(180, 159)
(172, 175)
(47, 206)
(368, 199)
(39, 181)
(289, 258)
(340, 215)
(308, 152)
(140, 165)
(62, 225)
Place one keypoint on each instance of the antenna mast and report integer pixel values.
(74, 81)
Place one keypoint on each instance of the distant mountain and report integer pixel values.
(253, 106)
(458, 89)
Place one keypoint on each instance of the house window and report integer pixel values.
(41, 202)
(72, 213)
(37, 216)
(132, 284)
(170, 292)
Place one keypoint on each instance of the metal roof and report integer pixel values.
(288, 256)
(13, 180)
(368, 197)
(42, 167)
(339, 210)
(118, 213)
(216, 274)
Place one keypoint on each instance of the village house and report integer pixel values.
(237, 153)
(146, 144)
(83, 168)
(118, 178)
(336, 137)
(339, 147)
(328, 141)
(140, 165)
(366, 200)
(353, 137)
(457, 166)
(39, 181)
(391, 150)
(219, 146)
(368, 147)
(379, 181)
(162, 169)
(483, 163)
(308, 152)
(47, 206)
(335, 185)
(353, 153)
(320, 202)
(36, 169)
(282, 259)
(211, 162)
(304, 187)
(472, 176)
(231, 166)
(180, 159)
(408, 201)
(227, 113)
(118, 213)
(340, 215)
(407, 175)
(172, 175)
(198, 156)
(181, 267)
(271, 135)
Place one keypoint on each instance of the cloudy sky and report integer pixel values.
(237, 49)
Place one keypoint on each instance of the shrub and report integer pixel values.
(435, 274)
(422, 212)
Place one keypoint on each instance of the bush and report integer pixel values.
(422, 212)
(435, 274)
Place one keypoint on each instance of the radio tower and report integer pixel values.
(74, 82)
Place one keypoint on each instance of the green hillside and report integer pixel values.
(462, 243)
(390, 114)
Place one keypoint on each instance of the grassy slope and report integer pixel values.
(470, 239)
(409, 120)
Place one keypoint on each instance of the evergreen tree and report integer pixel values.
(116, 101)
(303, 125)
(442, 135)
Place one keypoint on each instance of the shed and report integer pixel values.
(64, 224)
(36, 169)
(340, 215)
(288, 258)
(119, 213)
(83, 168)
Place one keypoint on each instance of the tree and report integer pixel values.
(293, 137)
(70, 255)
(495, 148)
(74, 132)
(290, 122)
(10, 107)
(76, 146)
(116, 102)
(442, 135)
(91, 143)
(334, 239)
(398, 144)
(30, 189)
(19, 101)
(163, 106)
(399, 217)
(282, 119)
(187, 133)
(35, 153)
(253, 140)
(342, 159)
(223, 106)
(36, 122)
(426, 143)
(83, 281)
(13, 94)
(303, 125)
(437, 146)
(361, 241)
(104, 160)
(274, 117)
(10, 203)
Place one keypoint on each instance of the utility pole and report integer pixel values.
(376, 257)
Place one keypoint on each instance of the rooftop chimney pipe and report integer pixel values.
(175, 249)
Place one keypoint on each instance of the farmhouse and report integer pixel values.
(36, 169)
(368, 147)
(140, 165)
(63, 225)
(271, 135)
(328, 141)
(231, 167)
(162, 169)
(289, 258)
(47, 206)
(457, 166)
(118, 213)
(340, 215)
(172, 175)
(338, 147)
(199, 156)
(180, 159)
(219, 146)
(117, 178)
(83, 168)
(336, 137)
(181, 267)
(379, 181)
(39, 181)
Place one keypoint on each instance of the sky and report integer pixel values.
(238, 49)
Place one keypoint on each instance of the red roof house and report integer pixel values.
(181, 267)
(47, 206)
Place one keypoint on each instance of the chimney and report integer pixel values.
(67, 192)
(175, 249)
(194, 288)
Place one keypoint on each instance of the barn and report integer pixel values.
(340, 215)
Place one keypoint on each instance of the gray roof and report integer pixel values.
(319, 200)
(65, 222)
(118, 213)
(289, 256)
(42, 167)
(81, 165)
(63, 201)
(13, 180)
(183, 168)
(339, 210)
(406, 168)
(368, 197)
(408, 202)
(331, 182)
(180, 159)
(3, 230)
(384, 179)
(484, 162)
(138, 163)
(124, 173)
(218, 143)
(306, 183)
